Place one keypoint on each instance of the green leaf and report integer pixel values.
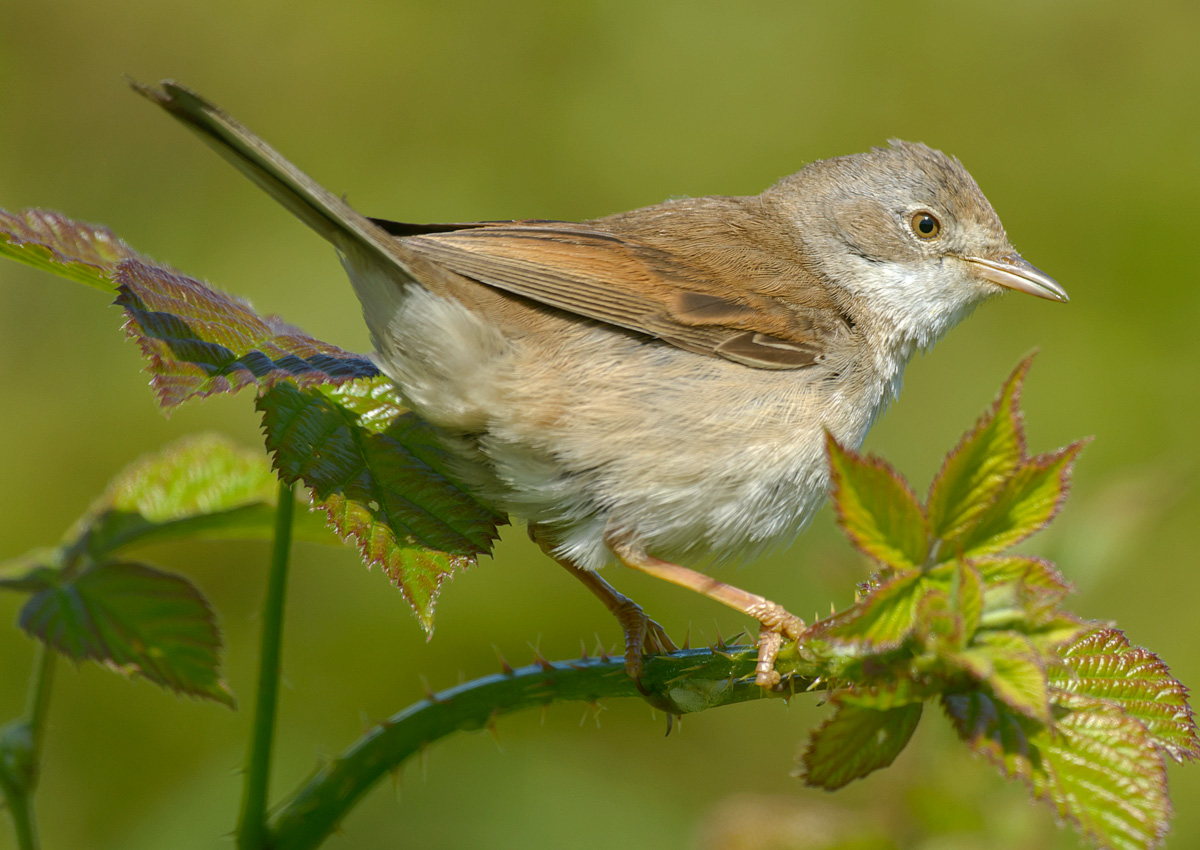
(951, 606)
(1011, 668)
(1020, 591)
(51, 242)
(136, 620)
(854, 742)
(1028, 501)
(880, 620)
(877, 509)
(1094, 766)
(975, 471)
(381, 477)
(33, 571)
(198, 341)
(202, 486)
(1103, 665)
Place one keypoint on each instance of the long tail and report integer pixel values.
(321, 210)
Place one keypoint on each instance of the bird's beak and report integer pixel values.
(1016, 273)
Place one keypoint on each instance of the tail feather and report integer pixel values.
(317, 207)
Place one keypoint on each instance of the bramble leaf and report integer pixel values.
(134, 619)
(1028, 501)
(951, 607)
(1021, 592)
(381, 478)
(975, 471)
(1010, 667)
(876, 508)
(880, 620)
(854, 742)
(199, 487)
(198, 341)
(1095, 766)
(84, 253)
(1103, 665)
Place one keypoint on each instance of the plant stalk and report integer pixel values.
(252, 820)
(683, 682)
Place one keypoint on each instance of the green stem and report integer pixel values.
(252, 821)
(680, 683)
(38, 702)
(20, 809)
(21, 748)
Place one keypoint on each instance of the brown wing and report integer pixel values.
(620, 279)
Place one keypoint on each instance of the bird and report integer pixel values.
(654, 388)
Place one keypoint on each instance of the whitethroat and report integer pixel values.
(654, 387)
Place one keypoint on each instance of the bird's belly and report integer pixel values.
(693, 458)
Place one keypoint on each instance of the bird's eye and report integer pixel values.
(925, 225)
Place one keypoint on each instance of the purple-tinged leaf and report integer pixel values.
(380, 476)
(198, 341)
(975, 471)
(1029, 500)
(854, 742)
(84, 253)
(877, 509)
(1095, 766)
(1103, 665)
(136, 620)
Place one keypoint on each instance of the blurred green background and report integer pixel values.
(1079, 120)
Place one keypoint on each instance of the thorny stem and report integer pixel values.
(681, 682)
(252, 821)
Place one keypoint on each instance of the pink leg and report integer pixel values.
(777, 622)
(642, 635)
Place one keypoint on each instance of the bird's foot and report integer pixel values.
(778, 624)
(643, 636)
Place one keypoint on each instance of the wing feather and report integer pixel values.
(623, 281)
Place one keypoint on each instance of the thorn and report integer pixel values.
(490, 726)
(545, 711)
(687, 638)
(397, 775)
(429, 694)
(595, 708)
(720, 640)
(733, 641)
(538, 658)
(832, 610)
(670, 724)
(604, 656)
(505, 667)
(583, 656)
(423, 760)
